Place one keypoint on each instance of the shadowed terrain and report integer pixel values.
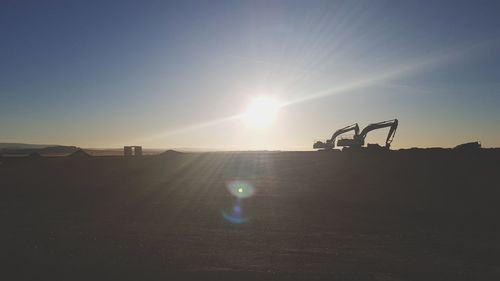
(407, 215)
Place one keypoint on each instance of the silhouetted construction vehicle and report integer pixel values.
(330, 144)
(359, 139)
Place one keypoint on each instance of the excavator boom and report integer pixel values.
(354, 127)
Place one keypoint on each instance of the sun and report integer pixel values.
(261, 112)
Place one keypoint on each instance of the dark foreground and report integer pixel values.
(315, 215)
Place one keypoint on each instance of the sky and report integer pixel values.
(181, 74)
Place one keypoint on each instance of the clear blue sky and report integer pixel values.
(168, 74)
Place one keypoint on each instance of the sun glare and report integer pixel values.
(261, 112)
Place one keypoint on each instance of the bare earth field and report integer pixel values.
(425, 215)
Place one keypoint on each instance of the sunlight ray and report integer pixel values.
(408, 68)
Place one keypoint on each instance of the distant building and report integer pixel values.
(132, 151)
(127, 151)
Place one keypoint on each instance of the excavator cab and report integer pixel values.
(348, 142)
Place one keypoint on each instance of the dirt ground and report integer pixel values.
(426, 215)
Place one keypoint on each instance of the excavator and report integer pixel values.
(330, 144)
(359, 139)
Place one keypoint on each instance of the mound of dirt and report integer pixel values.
(170, 152)
(80, 153)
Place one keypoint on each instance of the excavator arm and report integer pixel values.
(354, 127)
(392, 133)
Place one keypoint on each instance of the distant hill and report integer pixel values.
(28, 149)
(23, 146)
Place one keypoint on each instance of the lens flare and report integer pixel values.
(236, 214)
(234, 218)
(240, 190)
